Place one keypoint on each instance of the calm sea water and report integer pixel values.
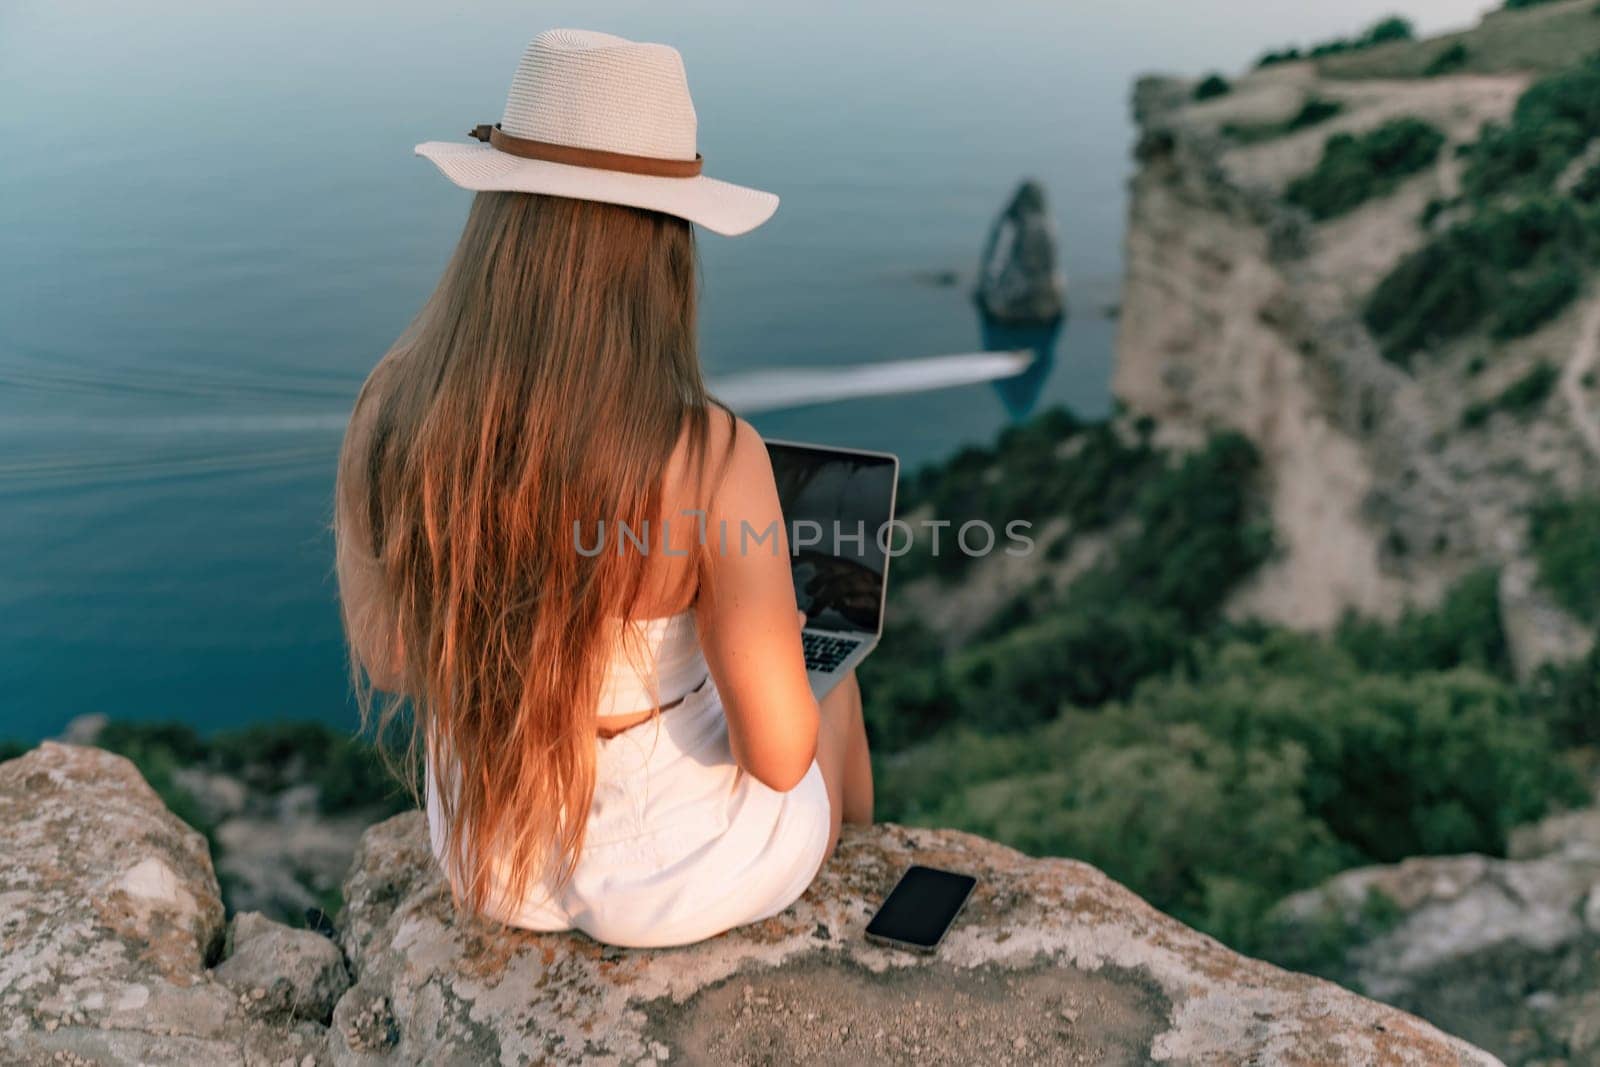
(211, 225)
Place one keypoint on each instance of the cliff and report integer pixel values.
(1243, 311)
(117, 950)
(1503, 951)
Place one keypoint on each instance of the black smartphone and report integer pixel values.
(920, 908)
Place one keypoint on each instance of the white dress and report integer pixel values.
(680, 844)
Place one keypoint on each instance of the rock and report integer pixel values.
(1018, 281)
(1051, 962)
(1505, 953)
(300, 972)
(1572, 833)
(109, 912)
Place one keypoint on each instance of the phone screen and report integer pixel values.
(921, 906)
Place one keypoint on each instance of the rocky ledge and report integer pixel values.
(116, 950)
(1505, 952)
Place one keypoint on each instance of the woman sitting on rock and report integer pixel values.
(621, 742)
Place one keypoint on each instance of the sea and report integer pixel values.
(212, 225)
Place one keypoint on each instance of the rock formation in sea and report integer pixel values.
(1019, 280)
(117, 950)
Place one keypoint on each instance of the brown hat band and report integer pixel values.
(586, 157)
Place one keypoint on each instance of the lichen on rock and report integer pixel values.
(111, 926)
(109, 916)
(1052, 962)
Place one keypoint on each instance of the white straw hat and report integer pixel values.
(597, 117)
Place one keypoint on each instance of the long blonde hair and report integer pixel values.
(541, 390)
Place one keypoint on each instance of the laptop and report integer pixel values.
(835, 503)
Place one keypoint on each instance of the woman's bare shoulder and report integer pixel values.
(734, 462)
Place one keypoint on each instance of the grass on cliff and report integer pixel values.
(1538, 40)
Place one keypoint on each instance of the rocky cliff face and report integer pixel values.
(1503, 951)
(116, 951)
(1241, 312)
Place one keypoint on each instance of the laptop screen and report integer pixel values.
(836, 508)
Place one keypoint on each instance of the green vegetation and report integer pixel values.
(1018, 479)
(1212, 85)
(1521, 397)
(1516, 5)
(1192, 532)
(1552, 122)
(1214, 766)
(1463, 631)
(1566, 698)
(1315, 109)
(1586, 190)
(1385, 31)
(1514, 267)
(1268, 768)
(1449, 61)
(1356, 168)
(1566, 542)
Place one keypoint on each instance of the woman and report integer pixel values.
(621, 742)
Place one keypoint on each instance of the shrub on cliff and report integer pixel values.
(1194, 531)
(1080, 655)
(1566, 543)
(1385, 30)
(1464, 630)
(1521, 397)
(1211, 86)
(1530, 303)
(1516, 266)
(1552, 122)
(1565, 698)
(1052, 465)
(1264, 770)
(1356, 168)
(1448, 61)
(1199, 532)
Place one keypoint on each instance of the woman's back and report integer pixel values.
(530, 517)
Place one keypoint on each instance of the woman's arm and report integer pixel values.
(748, 624)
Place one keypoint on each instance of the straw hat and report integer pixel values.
(597, 117)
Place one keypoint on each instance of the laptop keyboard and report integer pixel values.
(824, 652)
